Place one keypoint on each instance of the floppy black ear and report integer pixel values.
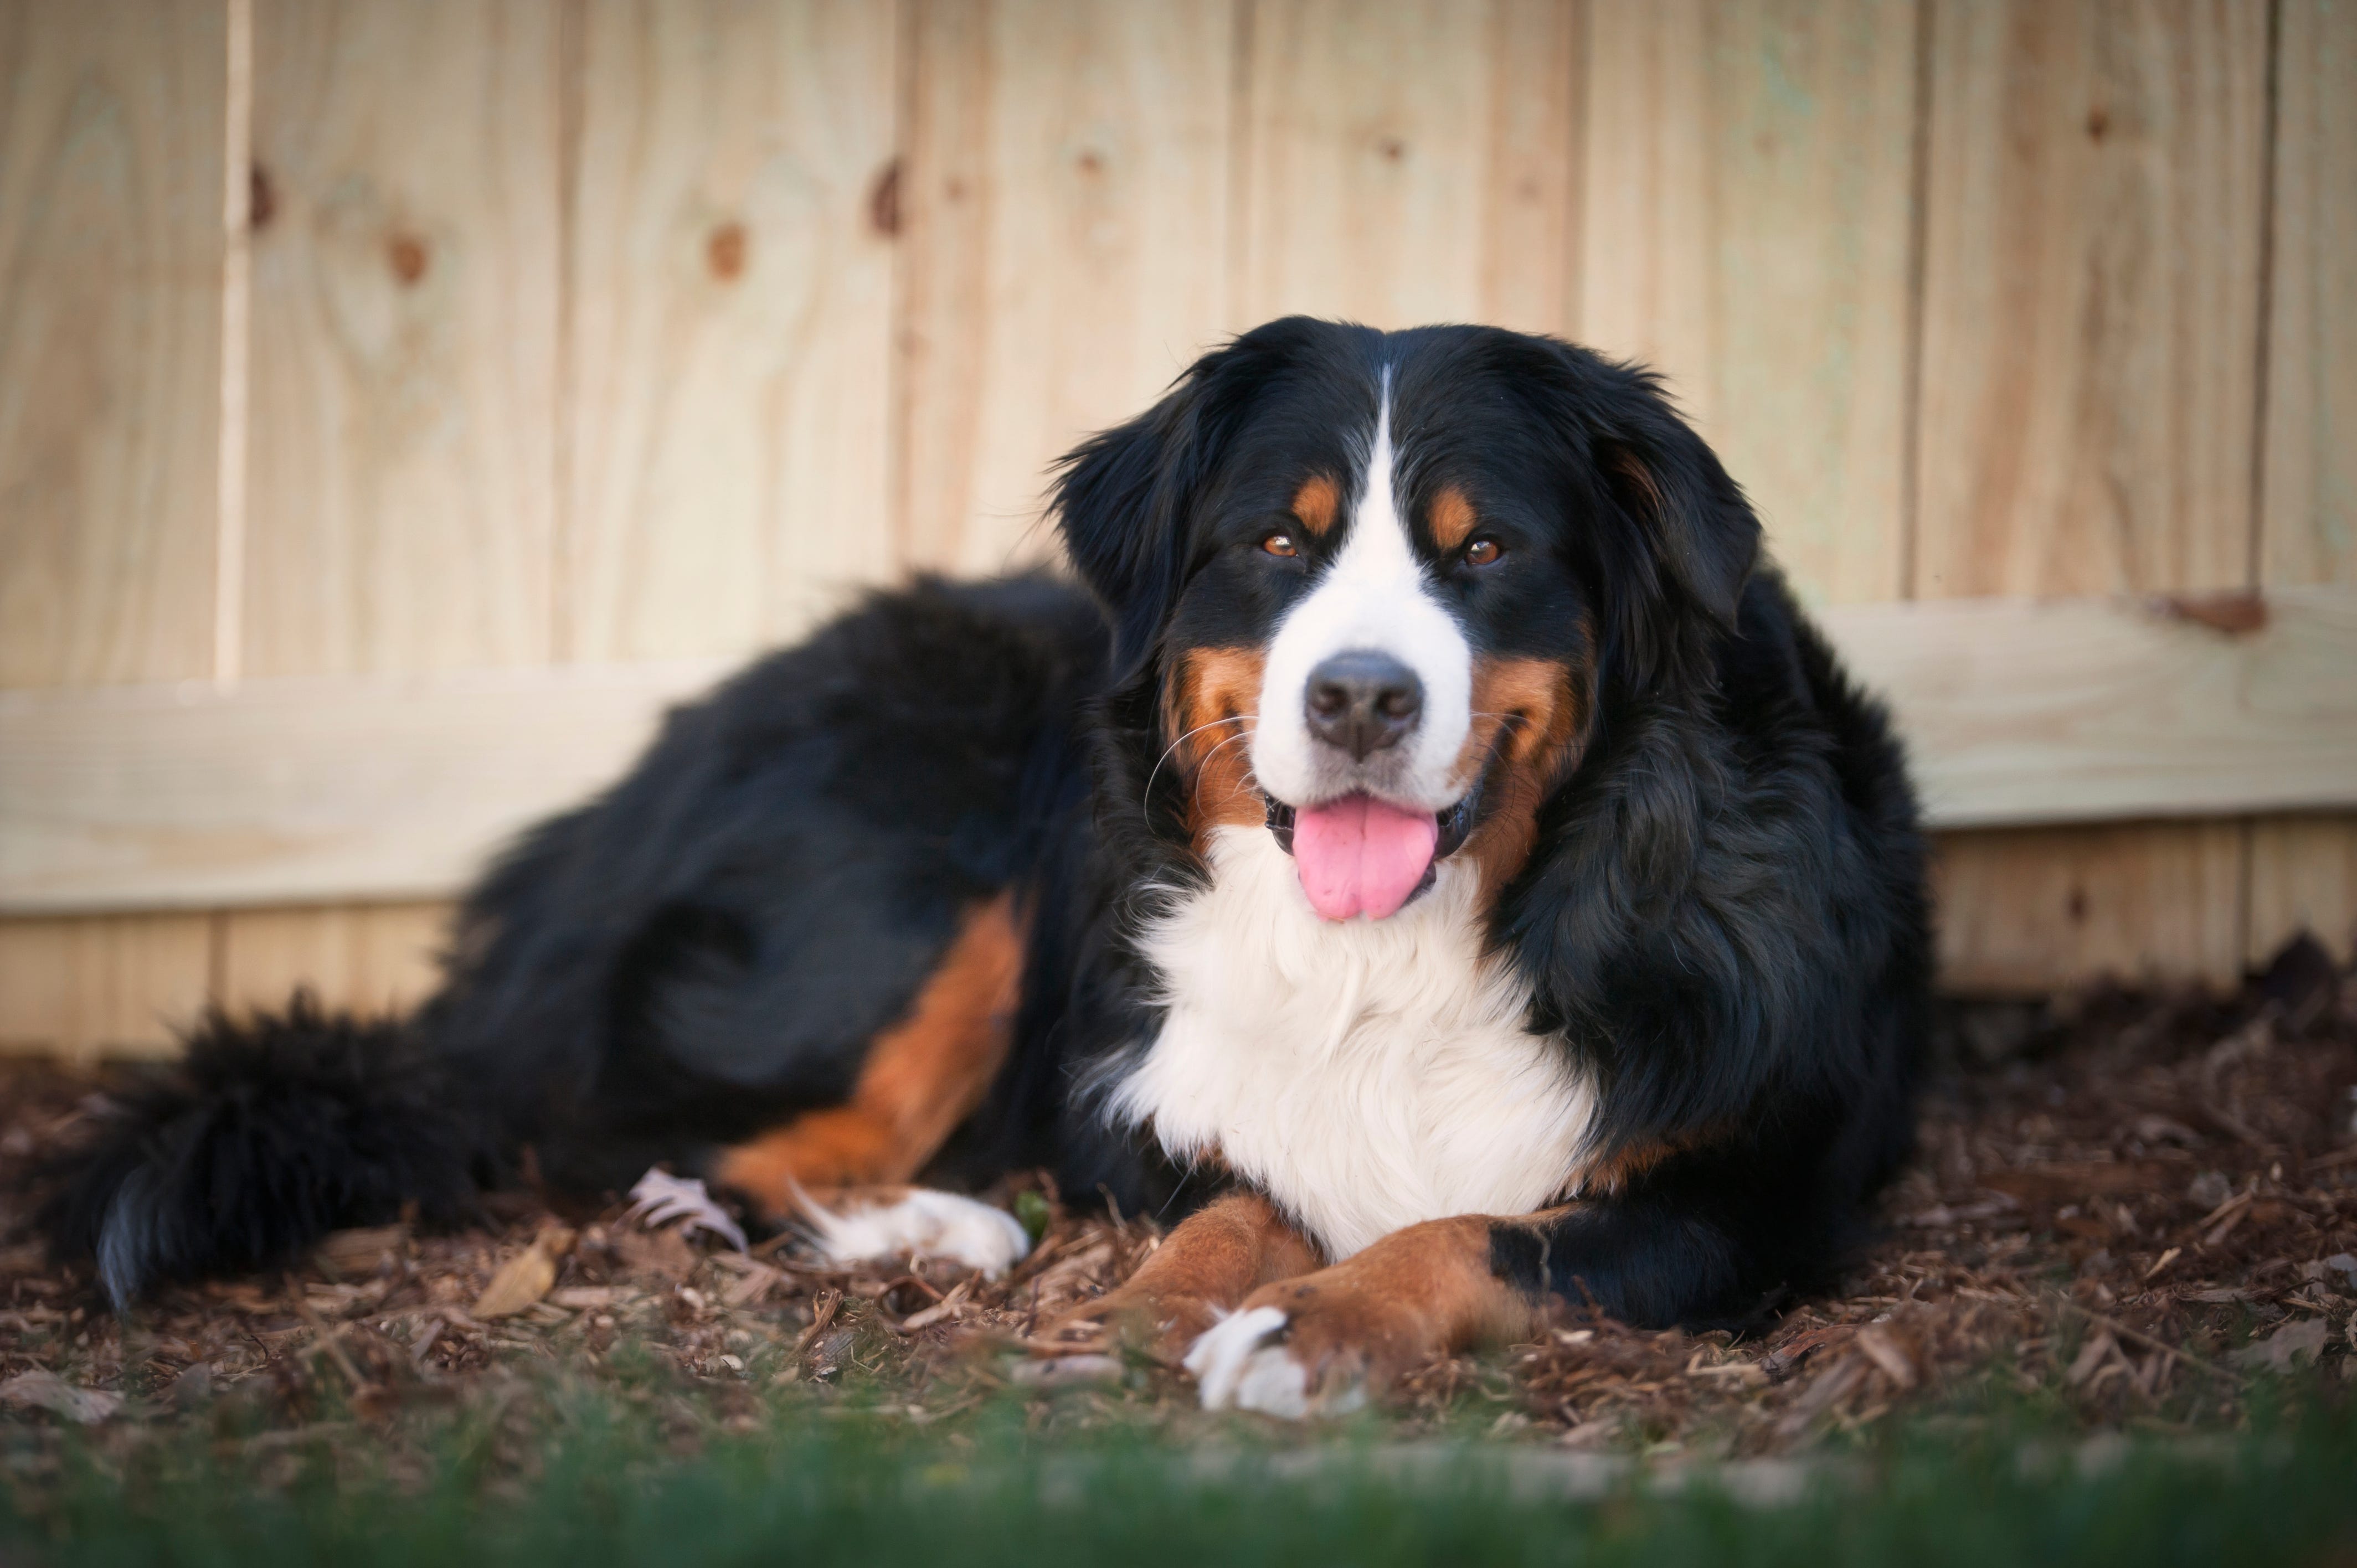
(1125, 498)
(1120, 502)
(1689, 539)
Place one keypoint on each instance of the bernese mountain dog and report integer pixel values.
(1429, 852)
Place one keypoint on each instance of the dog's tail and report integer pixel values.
(270, 1133)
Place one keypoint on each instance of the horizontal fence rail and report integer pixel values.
(2015, 711)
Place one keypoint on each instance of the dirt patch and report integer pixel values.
(2132, 1209)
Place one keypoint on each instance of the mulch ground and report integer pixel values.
(2130, 1208)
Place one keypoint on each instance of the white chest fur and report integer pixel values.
(1367, 1074)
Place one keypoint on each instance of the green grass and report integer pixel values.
(568, 1472)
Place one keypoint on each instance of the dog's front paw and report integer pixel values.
(1243, 1362)
(1320, 1345)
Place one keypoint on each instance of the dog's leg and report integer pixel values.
(841, 1170)
(1323, 1343)
(1657, 1252)
(1214, 1259)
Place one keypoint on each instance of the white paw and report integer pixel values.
(1238, 1368)
(922, 1223)
(660, 1198)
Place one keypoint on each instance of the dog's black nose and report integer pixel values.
(1363, 701)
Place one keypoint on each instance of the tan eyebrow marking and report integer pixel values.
(1452, 518)
(1317, 502)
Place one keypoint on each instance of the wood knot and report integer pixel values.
(261, 197)
(407, 256)
(724, 251)
(2237, 612)
(1391, 148)
(2099, 122)
(884, 200)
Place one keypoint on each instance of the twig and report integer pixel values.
(2122, 1331)
(326, 1339)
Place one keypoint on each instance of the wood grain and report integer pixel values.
(1418, 171)
(1067, 208)
(303, 791)
(2028, 911)
(2093, 189)
(109, 338)
(1748, 186)
(2076, 710)
(111, 243)
(405, 315)
(2096, 179)
(103, 985)
(730, 316)
(374, 958)
(2303, 878)
(2304, 870)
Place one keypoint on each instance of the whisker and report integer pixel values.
(1156, 772)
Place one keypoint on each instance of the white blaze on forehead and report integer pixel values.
(1376, 595)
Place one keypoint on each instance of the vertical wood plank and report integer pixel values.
(109, 338)
(403, 431)
(730, 314)
(2304, 870)
(2031, 910)
(102, 985)
(1747, 232)
(1067, 211)
(2094, 186)
(371, 958)
(2095, 178)
(110, 135)
(405, 313)
(1412, 166)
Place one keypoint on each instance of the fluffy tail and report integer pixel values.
(267, 1136)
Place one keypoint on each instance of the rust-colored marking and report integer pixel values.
(725, 250)
(1423, 1291)
(1616, 1170)
(1639, 478)
(923, 1077)
(1452, 518)
(1542, 707)
(1218, 1255)
(1209, 704)
(1317, 503)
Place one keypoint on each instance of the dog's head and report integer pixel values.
(1377, 582)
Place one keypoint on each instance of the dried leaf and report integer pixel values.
(526, 1277)
(1882, 1348)
(2303, 1340)
(46, 1391)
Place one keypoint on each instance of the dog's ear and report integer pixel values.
(1125, 500)
(1685, 538)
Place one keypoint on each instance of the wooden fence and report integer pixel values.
(401, 399)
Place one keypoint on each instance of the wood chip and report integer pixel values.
(44, 1390)
(526, 1277)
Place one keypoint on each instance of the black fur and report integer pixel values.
(1724, 916)
(266, 1136)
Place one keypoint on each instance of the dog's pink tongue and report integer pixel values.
(1359, 856)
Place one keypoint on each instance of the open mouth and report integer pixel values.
(1359, 855)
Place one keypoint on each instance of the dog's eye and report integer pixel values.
(1483, 552)
(1280, 544)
